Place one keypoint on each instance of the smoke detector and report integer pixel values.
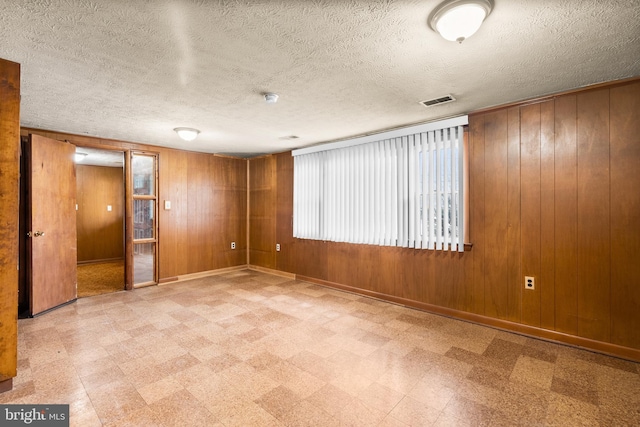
(271, 98)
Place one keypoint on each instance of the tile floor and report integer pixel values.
(251, 349)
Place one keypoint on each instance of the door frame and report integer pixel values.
(126, 225)
(128, 214)
(128, 268)
(130, 238)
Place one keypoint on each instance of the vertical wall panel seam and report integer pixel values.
(610, 231)
(484, 214)
(248, 225)
(575, 248)
(519, 253)
(577, 151)
(555, 317)
(540, 250)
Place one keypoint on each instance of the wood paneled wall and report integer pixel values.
(554, 194)
(9, 208)
(262, 211)
(208, 195)
(100, 232)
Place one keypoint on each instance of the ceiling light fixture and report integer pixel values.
(457, 20)
(271, 98)
(78, 157)
(187, 134)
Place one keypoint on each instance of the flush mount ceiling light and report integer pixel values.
(457, 20)
(187, 134)
(78, 157)
(271, 98)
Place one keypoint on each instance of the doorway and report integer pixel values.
(51, 266)
(100, 216)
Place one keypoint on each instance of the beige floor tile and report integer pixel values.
(182, 409)
(469, 411)
(356, 413)
(142, 417)
(379, 397)
(115, 400)
(434, 395)
(566, 411)
(278, 401)
(389, 421)
(153, 392)
(533, 371)
(307, 415)
(415, 413)
(330, 399)
(246, 348)
(400, 380)
(352, 383)
(448, 420)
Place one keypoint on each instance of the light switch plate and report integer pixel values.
(167, 205)
(109, 208)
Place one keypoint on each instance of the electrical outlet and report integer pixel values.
(233, 245)
(277, 247)
(529, 283)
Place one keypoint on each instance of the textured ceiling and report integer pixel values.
(134, 70)
(97, 157)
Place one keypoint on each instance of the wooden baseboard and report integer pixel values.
(6, 385)
(271, 271)
(144, 285)
(531, 331)
(100, 261)
(200, 274)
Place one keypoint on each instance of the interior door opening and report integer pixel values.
(100, 219)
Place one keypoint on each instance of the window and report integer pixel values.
(400, 188)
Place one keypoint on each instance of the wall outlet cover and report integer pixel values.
(529, 283)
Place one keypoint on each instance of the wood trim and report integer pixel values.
(143, 285)
(550, 96)
(226, 156)
(248, 213)
(128, 222)
(9, 214)
(99, 261)
(201, 274)
(531, 331)
(271, 271)
(143, 241)
(92, 141)
(6, 385)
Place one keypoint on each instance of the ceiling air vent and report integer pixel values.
(438, 101)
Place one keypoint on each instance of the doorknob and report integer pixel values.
(35, 233)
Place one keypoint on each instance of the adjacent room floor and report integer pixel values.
(100, 278)
(251, 349)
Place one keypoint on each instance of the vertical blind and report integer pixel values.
(400, 188)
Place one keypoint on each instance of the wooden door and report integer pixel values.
(51, 223)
